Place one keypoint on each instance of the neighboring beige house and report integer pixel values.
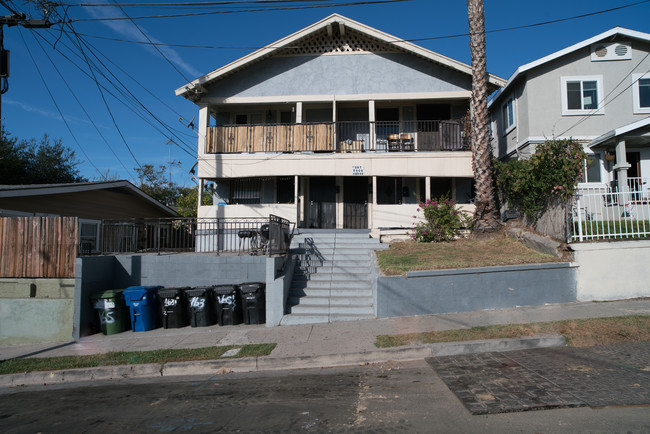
(91, 202)
(338, 125)
(596, 91)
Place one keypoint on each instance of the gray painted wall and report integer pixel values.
(466, 290)
(98, 273)
(539, 109)
(346, 74)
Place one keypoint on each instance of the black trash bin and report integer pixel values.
(199, 306)
(172, 307)
(253, 300)
(228, 304)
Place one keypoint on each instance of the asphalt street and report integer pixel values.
(371, 398)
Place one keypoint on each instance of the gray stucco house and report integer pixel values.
(596, 91)
(338, 125)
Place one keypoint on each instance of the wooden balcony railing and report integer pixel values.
(347, 136)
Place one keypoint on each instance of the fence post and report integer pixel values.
(578, 204)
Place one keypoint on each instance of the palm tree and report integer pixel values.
(487, 211)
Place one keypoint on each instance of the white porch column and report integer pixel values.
(427, 187)
(334, 135)
(373, 129)
(299, 112)
(340, 207)
(621, 165)
(204, 121)
(296, 198)
(200, 196)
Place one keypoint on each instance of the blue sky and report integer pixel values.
(28, 111)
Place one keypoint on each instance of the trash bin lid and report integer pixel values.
(251, 287)
(225, 289)
(199, 291)
(171, 292)
(108, 293)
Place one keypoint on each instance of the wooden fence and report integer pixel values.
(38, 247)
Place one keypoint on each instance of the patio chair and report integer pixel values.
(407, 142)
(394, 143)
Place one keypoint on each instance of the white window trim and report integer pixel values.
(504, 119)
(635, 94)
(599, 88)
(97, 224)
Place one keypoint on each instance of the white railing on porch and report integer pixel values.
(603, 212)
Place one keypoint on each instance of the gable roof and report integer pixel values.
(193, 89)
(632, 34)
(24, 191)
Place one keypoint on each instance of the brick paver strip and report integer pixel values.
(548, 378)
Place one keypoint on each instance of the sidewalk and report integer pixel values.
(317, 345)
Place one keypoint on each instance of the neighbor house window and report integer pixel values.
(641, 92)
(591, 170)
(582, 95)
(508, 115)
(88, 236)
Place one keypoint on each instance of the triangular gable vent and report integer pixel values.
(611, 51)
(323, 42)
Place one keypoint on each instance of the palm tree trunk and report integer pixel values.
(487, 211)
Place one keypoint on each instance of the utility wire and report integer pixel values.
(189, 4)
(605, 100)
(99, 88)
(287, 8)
(81, 105)
(458, 35)
(155, 46)
(57, 105)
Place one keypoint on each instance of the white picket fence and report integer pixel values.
(603, 213)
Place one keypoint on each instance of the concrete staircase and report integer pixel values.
(333, 277)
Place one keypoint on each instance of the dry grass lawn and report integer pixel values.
(463, 253)
(578, 333)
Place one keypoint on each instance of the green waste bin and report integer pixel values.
(113, 314)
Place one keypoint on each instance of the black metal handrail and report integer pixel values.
(255, 235)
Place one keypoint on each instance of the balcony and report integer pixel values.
(337, 137)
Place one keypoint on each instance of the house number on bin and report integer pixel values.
(226, 299)
(170, 302)
(197, 303)
(107, 317)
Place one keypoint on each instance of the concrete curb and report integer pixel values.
(270, 363)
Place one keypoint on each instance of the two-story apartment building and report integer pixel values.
(338, 125)
(596, 91)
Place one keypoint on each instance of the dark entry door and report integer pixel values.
(355, 203)
(321, 209)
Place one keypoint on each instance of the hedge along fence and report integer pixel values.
(542, 187)
(38, 247)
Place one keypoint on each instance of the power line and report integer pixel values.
(288, 8)
(189, 4)
(605, 100)
(57, 105)
(458, 35)
(81, 105)
(155, 46)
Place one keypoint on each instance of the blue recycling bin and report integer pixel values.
(142, 302)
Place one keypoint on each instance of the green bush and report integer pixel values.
(443, 221)
(554, 170)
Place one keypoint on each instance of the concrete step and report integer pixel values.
(309, 292)
(346, 317)
(313, 309)
(351, 310)
(350, 301)
(309, 300)
(294, 319)
(351, 292)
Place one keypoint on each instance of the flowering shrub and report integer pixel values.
(443, 221)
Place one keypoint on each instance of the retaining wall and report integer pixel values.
(36, 310)
(470, 289)
(612, 270)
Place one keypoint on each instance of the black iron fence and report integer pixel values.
(255, 235)
(341, 136)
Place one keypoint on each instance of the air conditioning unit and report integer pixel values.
(606, 51)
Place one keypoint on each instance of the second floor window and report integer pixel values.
(581, 95)
(508, 115)
(641, 92)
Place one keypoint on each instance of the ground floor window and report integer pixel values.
(249, 191)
